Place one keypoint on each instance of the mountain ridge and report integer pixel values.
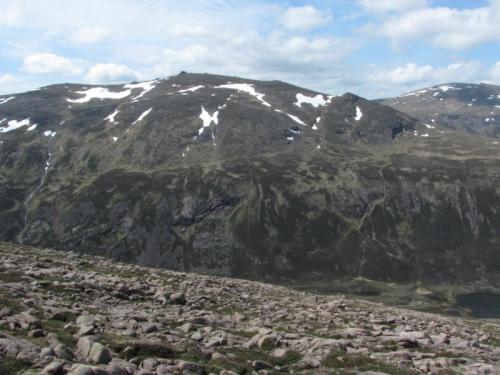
(473, 108)
(240, 178)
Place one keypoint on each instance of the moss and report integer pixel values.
(494, 341)
(64, 334)
(240, 360)
(446, 354)
(241, 333)
(9, 302)
(12, 366)
(11, 277)
(129, 350)
(359, 362)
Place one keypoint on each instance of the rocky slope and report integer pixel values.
(66, 313)
(262, 180)
(462, 106)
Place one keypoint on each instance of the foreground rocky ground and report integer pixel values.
(63, 313)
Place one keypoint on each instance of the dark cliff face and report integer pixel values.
(254, 179)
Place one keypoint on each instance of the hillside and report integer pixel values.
(253, 179)
(461, 106)
(66, 313)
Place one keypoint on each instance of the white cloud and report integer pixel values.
(445, 27)
(10, 15)
(314, 50)
(304, 18)
(495, 73)
(49, 63)
(182, 30)
(412, 73)
(89, 35)
(188, 55)
(111, 73)
(7, 79)
(409, 73)
(385, 6)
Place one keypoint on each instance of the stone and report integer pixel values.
(178, 298)
(59, 316)
(85, 331)
(149, 328)
(266, 342)
(186, 327)
(192, 367)
(53, 368)
(261, 365)
(36, 333)
(81, 370)
(85, 320)
(47, 352)
(120, 367)
(99, 354)
(280, 353)
(83, 346)
(63, 352)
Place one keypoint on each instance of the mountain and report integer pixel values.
(75, 314)
(461, 106)
(253, 179)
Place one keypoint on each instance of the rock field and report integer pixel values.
(65, 313)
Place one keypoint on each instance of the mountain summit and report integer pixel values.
(255, 179)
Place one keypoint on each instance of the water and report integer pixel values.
(482, 305)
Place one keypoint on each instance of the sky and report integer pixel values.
(373, 48)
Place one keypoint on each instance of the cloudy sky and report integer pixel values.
(375, 48)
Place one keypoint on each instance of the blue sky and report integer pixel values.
(374, 48)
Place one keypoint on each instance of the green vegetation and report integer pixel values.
(10, 277)
(12, 366)
(240, 360)
(142, 349)
(359, 362)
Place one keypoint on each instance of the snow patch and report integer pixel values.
(207, 120)
(142, 116)
(359, 114)
(111, 117)
(192, 89)
(145, 86)
(47, 162)
(315, 101)
(245, 87)
(32, 127)
(99, 93)
(49, 133)
(315, 126)
(5, 100)
(425, 135)
(445, 88)
(14, 124)
(296, 119)
(417, 93)
(429, 126)
(115, 139)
